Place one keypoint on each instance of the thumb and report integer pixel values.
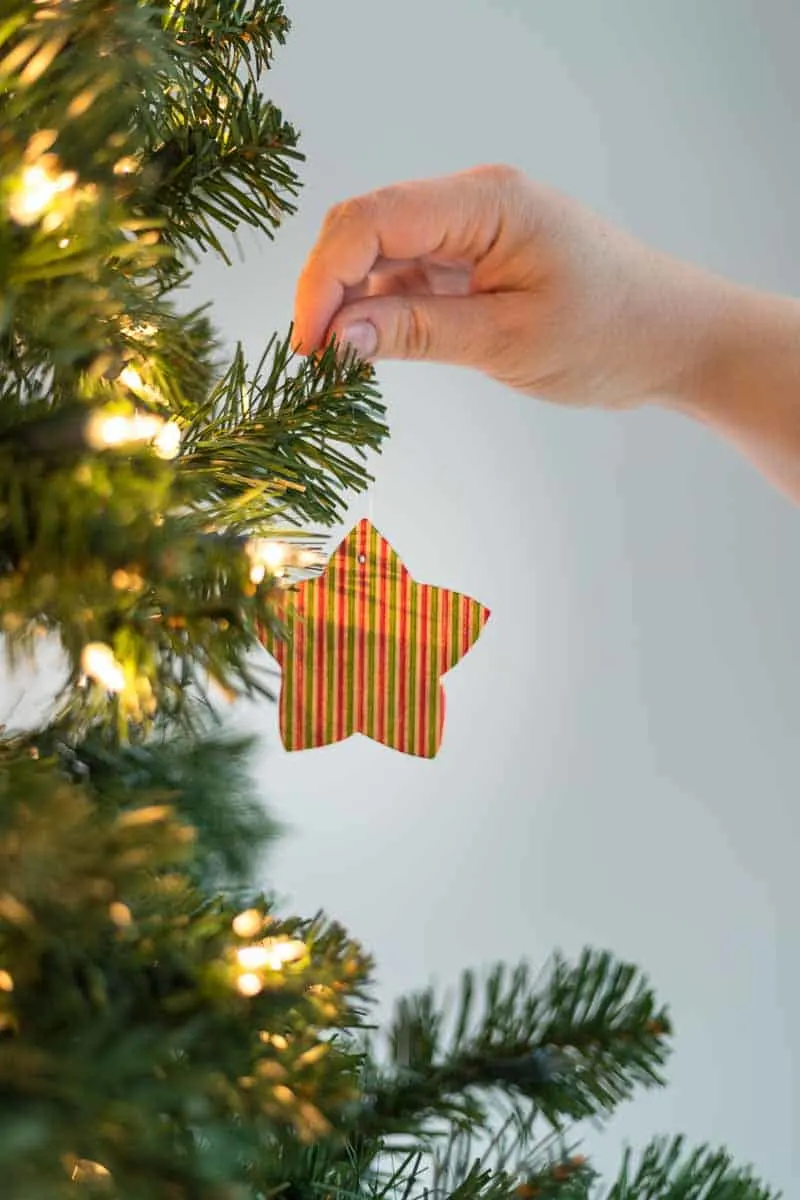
(461, 330)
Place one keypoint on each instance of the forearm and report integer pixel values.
(744, 378)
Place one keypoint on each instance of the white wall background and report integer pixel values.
(620, 763)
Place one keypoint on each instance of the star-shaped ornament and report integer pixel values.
(365, 649)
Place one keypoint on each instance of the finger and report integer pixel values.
(453, 218)
(388, 277)
(470, 331)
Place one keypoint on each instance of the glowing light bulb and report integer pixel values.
(274, 953)
(132, 379)
(6, 982)
(86, 1171)
(39, 186)
(126, 166)
(268, 552)
(248, 923)
(120, 914)
(249, 984)
(253, 957)
(104, 431)
(99, 663)
(281, 951)
(167, 441)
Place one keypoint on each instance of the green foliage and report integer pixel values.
(126, 1039)
(577, 1047)
(665, 1171)
(144, 105)
(165, 1033)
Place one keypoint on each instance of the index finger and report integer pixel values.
(453, 218)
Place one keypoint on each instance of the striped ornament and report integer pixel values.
(365, 646)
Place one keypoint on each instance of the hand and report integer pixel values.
(490, 270)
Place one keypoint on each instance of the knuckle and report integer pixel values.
(503, 174)
(354, 210)
(415, 336)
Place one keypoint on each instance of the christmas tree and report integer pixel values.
(165, 1032)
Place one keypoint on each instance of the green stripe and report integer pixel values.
(476, 620)
(391, 633)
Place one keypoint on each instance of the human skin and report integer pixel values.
(491, 270)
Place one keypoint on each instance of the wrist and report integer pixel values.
(741, 374)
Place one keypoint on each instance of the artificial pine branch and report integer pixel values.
(221, 166)
(576, 1047)
(666, 1171)
(285, 441)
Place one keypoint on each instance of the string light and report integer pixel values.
(274, 953)
(249, 984)
(6, 982)
(130, 378)
(105, 431)
(120, 914)
(41, 182)
(99, 663)
(86, 1171)
(270, 555)
(248, 923)
(126, 166)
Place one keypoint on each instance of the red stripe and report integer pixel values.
(298, 671)
(423, 670)
(341, 644)
(320, 586)
(381, 627)
(466, 613)
(402, 659)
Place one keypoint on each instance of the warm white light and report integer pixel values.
(132, 379)
(253, 957)
(64, 242)
(120, 914)
(126, 166)
(40, 184)
(249, 984)
(99, 663)
(105, 431)
(268, 552)
(270, 555)
(86, 1171)
(167, 441)
(247, 923)
(6, 982)
(273, 953)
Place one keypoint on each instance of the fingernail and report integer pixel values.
(363, 337)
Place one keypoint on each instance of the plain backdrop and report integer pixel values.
(620, 759)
